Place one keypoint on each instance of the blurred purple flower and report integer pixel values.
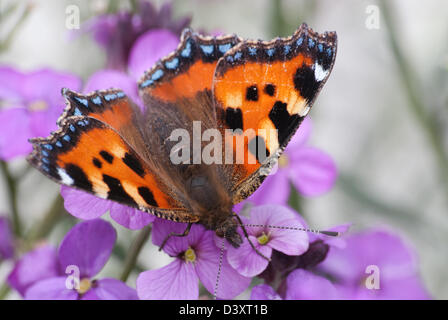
(301, 285)
(86, 247)
(196, 258)
(264, 292)
(34, 103)
(148, 48)
(310, 170)
(38, 264)
(395, 260)
(265, 238)
(85, 206)
(6, 240)
(305, 285)
(118, 32)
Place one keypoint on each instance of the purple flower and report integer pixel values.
(264, 292)
(149, 48)
(85, 206)
(69, 274)
(34, 103)
(309, 169)
(386, 253)
(196, 258)
(266, 237)
(117, 33)
(6, 240)
(301, 285)
(304, 285)
(38, 264)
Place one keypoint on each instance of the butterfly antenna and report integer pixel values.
(221, 254)
(327, 233)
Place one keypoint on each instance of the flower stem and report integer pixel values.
(416, 106)
(4, 290)
(8, 40)
(44, 226)
(134, 251)
(11, 184)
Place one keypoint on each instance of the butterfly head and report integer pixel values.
(228, 230)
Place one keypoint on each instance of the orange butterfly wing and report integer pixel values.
(266, 89)
(188, 70)
(95, 150)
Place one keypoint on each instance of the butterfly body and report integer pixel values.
(247, 96)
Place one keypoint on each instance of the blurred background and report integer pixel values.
(382, 115)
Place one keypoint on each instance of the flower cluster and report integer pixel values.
(68, 273)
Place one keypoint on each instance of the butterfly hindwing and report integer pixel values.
(265, 89)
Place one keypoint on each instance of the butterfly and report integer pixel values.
(110, 147)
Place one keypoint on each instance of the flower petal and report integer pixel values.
(176, 281)
(36, 265)
(275, 189)
(264, 292)
(129, 217)
(51, 289)
(113, 289)
(277, 220)
(11, 84)
(14, 133)
(301, 136)
(46, 84)
(312, 171)
(231, 283)
(83, 205)
(246, 260)
(175, 245)
(304, 285)
(105, 79)
(148, 48)
(6, 240)
(393, 257)
(88, 246)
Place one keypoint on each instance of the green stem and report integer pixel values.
(21, 20)
(279, 27)
(416, 105)
(4, 290)
(134, 251)
(44, 226)
(11, 184)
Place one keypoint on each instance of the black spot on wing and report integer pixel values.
(283, 121)
(134, 164)
(147, 196)
(234, 118)
(252, 93)
(97, 163)
(79, 177)
(116, 191)
(269, 89)
(257, 146)
(305, 82)
(107, 156)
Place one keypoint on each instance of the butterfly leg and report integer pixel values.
(173, 234)
(247, 237)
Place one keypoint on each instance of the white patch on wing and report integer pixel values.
(319, 72)
(65, 178)
(304, 111)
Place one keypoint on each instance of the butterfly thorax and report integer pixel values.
(214, 206)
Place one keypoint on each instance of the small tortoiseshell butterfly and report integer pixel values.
(108, 146)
